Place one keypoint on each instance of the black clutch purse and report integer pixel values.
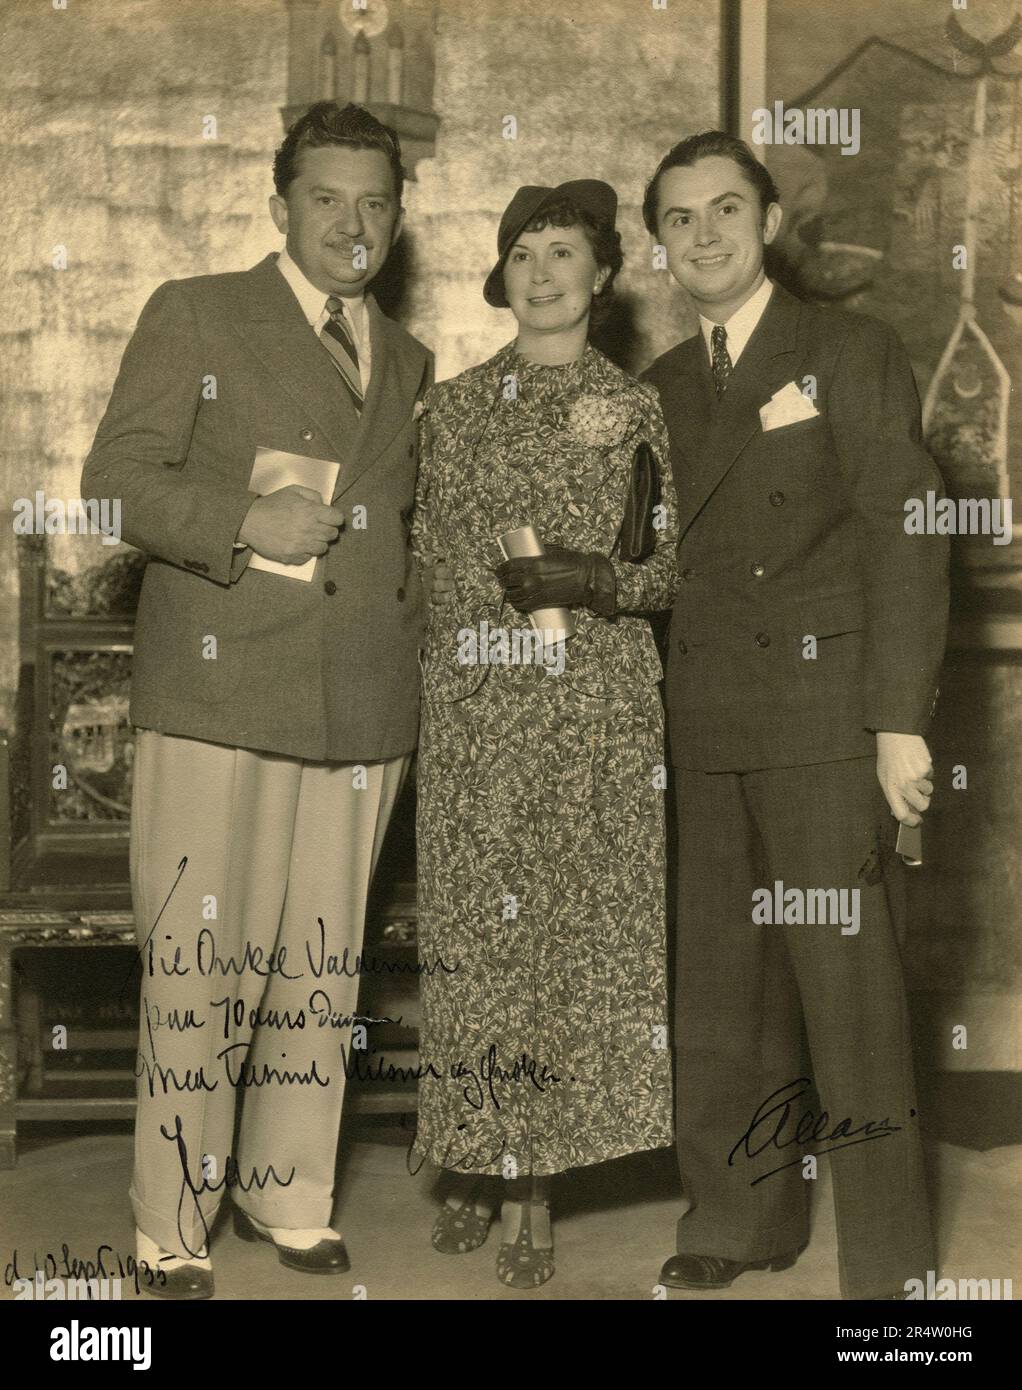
(637, 538)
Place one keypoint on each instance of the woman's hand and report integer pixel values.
(560, 578)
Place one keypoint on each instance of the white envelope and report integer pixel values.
(786, 407)
(275, 468)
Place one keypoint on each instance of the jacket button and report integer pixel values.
(777, 499)
(411, 451)
(762, 640)
(757, 570)
(401, 595)
(306, 435)
(330, 587)
(682, 646)
(688, 574)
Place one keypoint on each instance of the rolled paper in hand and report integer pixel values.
(552, 624)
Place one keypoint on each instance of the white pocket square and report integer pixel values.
(786, 407)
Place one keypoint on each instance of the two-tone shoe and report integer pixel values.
(326, 1256)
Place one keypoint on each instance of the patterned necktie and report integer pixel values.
(722, 364)
(336, 337)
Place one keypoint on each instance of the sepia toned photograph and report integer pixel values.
(510, 660)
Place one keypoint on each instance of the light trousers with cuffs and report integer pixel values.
(249, 872)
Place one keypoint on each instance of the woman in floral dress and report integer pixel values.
(541, 861)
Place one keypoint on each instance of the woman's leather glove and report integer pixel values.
(560, 579)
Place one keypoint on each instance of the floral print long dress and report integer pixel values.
(541, 857)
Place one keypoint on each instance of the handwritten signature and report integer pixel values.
(459, 1153)
(231, 1178)
(524, 1068)
(208, 961)
(139, 1271)
(773, 1118)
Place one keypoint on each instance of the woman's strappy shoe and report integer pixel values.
(522, 1265)
(457, 1230)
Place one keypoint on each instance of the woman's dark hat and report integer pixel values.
(595, 197)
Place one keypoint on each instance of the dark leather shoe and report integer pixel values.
(186, 1281)
(327, 1257)
(714, 1271)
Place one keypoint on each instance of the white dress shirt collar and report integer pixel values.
(313, 305)
(313, 301)
(742, 323)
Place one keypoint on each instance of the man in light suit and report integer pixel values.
(805, 645)
(276, 717)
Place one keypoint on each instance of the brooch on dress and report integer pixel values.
(600, 422)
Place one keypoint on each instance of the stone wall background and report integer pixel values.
(102, 151)
(600, 89)
(102, 148)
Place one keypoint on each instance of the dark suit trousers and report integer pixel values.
(749, 999)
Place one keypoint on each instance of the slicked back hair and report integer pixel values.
(327, 123)
(703, 146)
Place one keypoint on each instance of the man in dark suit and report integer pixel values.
(276, 715)
(805, 645)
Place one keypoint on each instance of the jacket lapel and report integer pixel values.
(688, 408)
(275, 329)
(767, 362)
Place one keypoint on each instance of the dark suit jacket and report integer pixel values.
(795, 532)
(217, 366)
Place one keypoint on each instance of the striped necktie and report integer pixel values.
(722, 364)
(338, 341)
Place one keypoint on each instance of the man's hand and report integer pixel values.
(290, 525)
(904, 769)
(560, 578)
(437, 580)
